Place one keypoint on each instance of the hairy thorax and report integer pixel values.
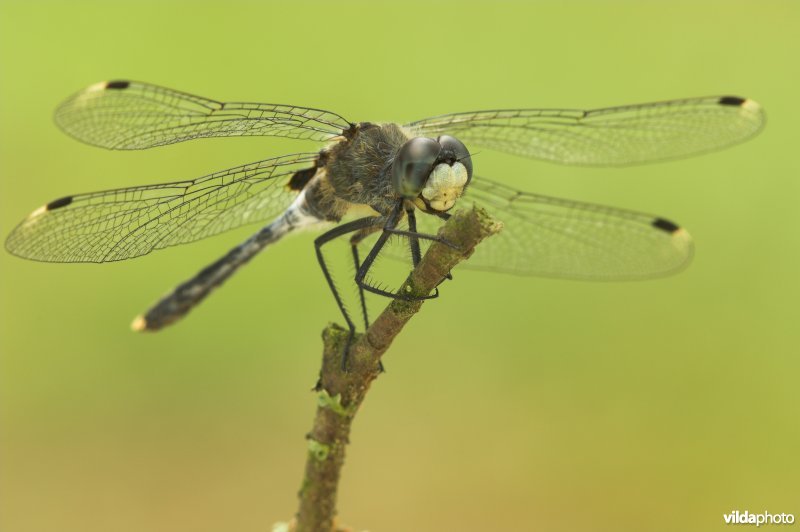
(358, 167)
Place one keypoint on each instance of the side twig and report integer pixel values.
(341, 394)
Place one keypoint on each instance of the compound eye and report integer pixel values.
(453, 150)
(413, 165)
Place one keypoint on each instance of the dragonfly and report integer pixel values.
(399, 180)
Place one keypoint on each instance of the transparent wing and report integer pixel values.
(129, 222)
(612, 136)
(550, 237)
(128, 115)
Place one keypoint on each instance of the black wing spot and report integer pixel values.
(118, 84)
(60, 202)
(665, 225)
(731, 100)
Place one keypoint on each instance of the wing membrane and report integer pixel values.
(560, 238)
(128, 115)
(606, 137)
(551, 237)
(128, 222)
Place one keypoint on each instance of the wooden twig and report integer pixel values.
(341, 393)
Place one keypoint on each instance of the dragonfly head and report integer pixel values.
(432, 172)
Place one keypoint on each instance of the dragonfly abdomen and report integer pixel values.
(190, 293)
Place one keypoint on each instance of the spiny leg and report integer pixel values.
(388, 230)
(363, 270)
(414, 241)
(357, 264)
(444, 216)
(350, 227)
(355, 240)
(368, 262)
(416, 254)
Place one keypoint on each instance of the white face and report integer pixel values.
(445, 185)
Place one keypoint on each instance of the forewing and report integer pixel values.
(128, 115)
(128, 222)
(612, 136)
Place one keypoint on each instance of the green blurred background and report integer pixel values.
(510, 404)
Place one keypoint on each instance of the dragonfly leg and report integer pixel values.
(388, 230)
(355, 240)
(357, 263)
(414, 240)
(445, 216)
(336, 232)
